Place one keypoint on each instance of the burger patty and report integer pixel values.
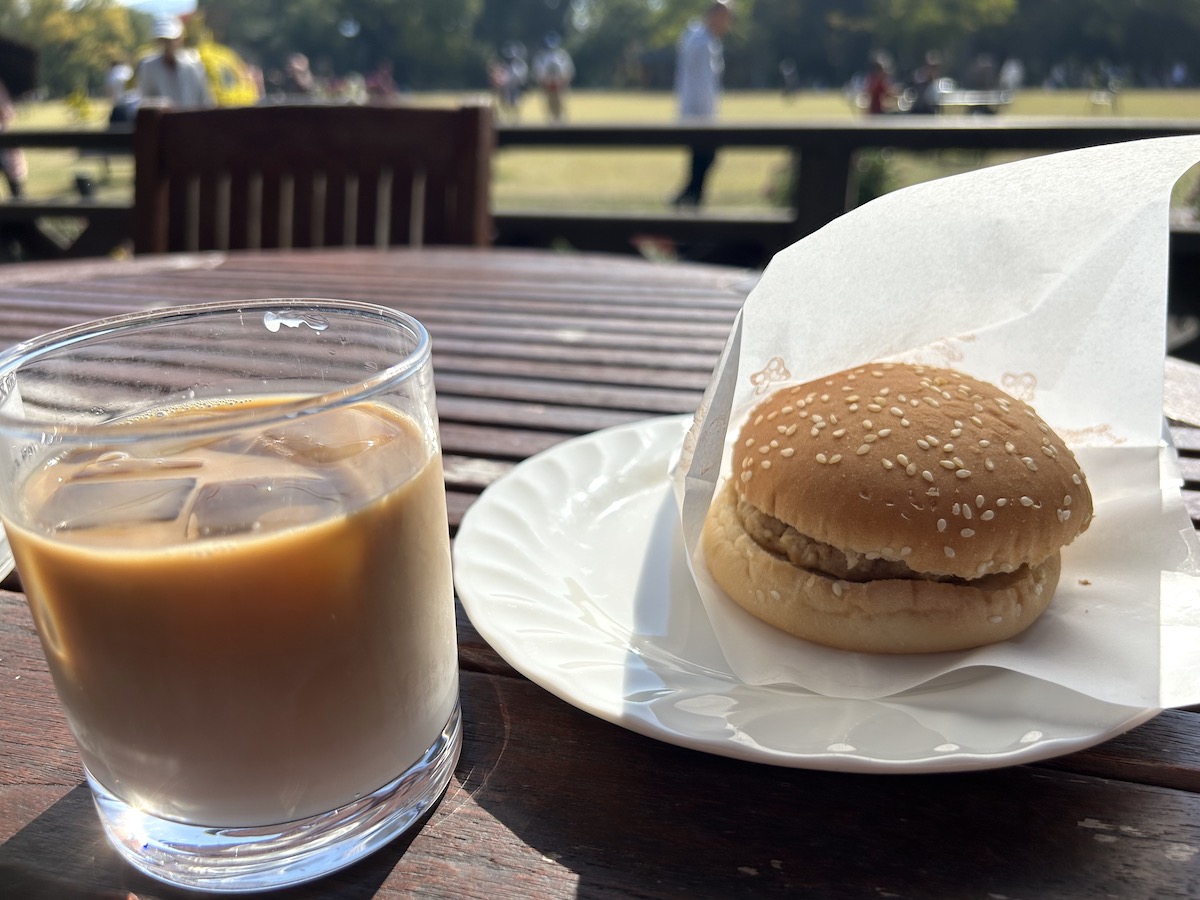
(782, 540)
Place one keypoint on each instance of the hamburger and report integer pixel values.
(895, 508)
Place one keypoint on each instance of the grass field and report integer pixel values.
(538, 178)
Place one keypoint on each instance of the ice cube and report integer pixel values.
(118, 463)
(260, 505)
(125, 501)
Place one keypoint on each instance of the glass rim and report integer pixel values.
(12, 358)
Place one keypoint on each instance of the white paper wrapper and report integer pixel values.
(1047, 277)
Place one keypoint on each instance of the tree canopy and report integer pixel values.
(446, 44)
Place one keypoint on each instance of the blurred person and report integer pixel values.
(699, 69)
(380, 82)
(12, 160)
(553, 70)
(174, 76)
(1012, 74)
(881, 92)
(926, 84)
(122, 96)
(298, 81)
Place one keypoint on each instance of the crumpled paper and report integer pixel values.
(1047, 277)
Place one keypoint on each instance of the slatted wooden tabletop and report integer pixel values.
(530, 349)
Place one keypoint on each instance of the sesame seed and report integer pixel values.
(967, 532)
(911, 469)
(853, 398)
(764, 448)
(905, 551)
(922, 443)
(766, 464)
(947, 448)
(904, 422)
(1067, 500)
(836, 458)
(864, 449)
(987, 515)
(1049, 451)
(947, 464)
(782, 429)
(927, 475)
(791, 429)
(933, 492)
(749, 442)
(956, 509)
(787, 452)
(1027, 501)
(995, 620)
(840, 432)
(867, 424)
(1076, 479)
(1002, 501)
(932, 439)
(874, 407)
(967, 511)
(1008, 445)
(963, 473)
(853, 407)
(774, 444)
(914, 402)
(788, 410)
(870, 438)
(989, 465)
(837, 588)
(979, 501)
(775, 595)
(888, 464)
(884, 432)
(772, 416)
(757, 419)
(985, 443)
(941, 524)
(897, 411)
(815, 431)
(902, 459)
(1063, 515)
(977, 421)
(746, 476)
(949, 551)
(824, 398)
(1030, 465)
(822, 458)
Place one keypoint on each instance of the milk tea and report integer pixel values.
(251, 629)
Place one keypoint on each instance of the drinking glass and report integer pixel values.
(230, 522)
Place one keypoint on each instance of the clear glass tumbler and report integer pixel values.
(230, 522)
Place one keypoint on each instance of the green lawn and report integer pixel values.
(537, 178)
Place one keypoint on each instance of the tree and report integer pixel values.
(77, 41)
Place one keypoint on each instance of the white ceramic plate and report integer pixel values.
(572, 567)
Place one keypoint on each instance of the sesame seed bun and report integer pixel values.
(896, 508)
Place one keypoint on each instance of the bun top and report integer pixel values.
(927, 466)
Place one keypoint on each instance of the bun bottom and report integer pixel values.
(884, 616)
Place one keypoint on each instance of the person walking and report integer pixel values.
(553, 68)
(174, 76)
(699, 69)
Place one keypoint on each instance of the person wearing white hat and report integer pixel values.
(174, 76)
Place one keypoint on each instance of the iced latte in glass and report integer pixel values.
(238, 565)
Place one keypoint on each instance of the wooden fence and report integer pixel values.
(822, 153)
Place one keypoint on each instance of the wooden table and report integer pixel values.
(548, 801)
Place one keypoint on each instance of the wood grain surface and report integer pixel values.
(547, 801)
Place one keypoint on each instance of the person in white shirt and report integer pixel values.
(699, 68)
(174, 76)
(554, 69)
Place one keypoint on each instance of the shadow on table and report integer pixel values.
(63, 855)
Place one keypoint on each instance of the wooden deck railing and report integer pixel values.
(822, 153)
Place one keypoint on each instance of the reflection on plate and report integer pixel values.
(572, 567)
